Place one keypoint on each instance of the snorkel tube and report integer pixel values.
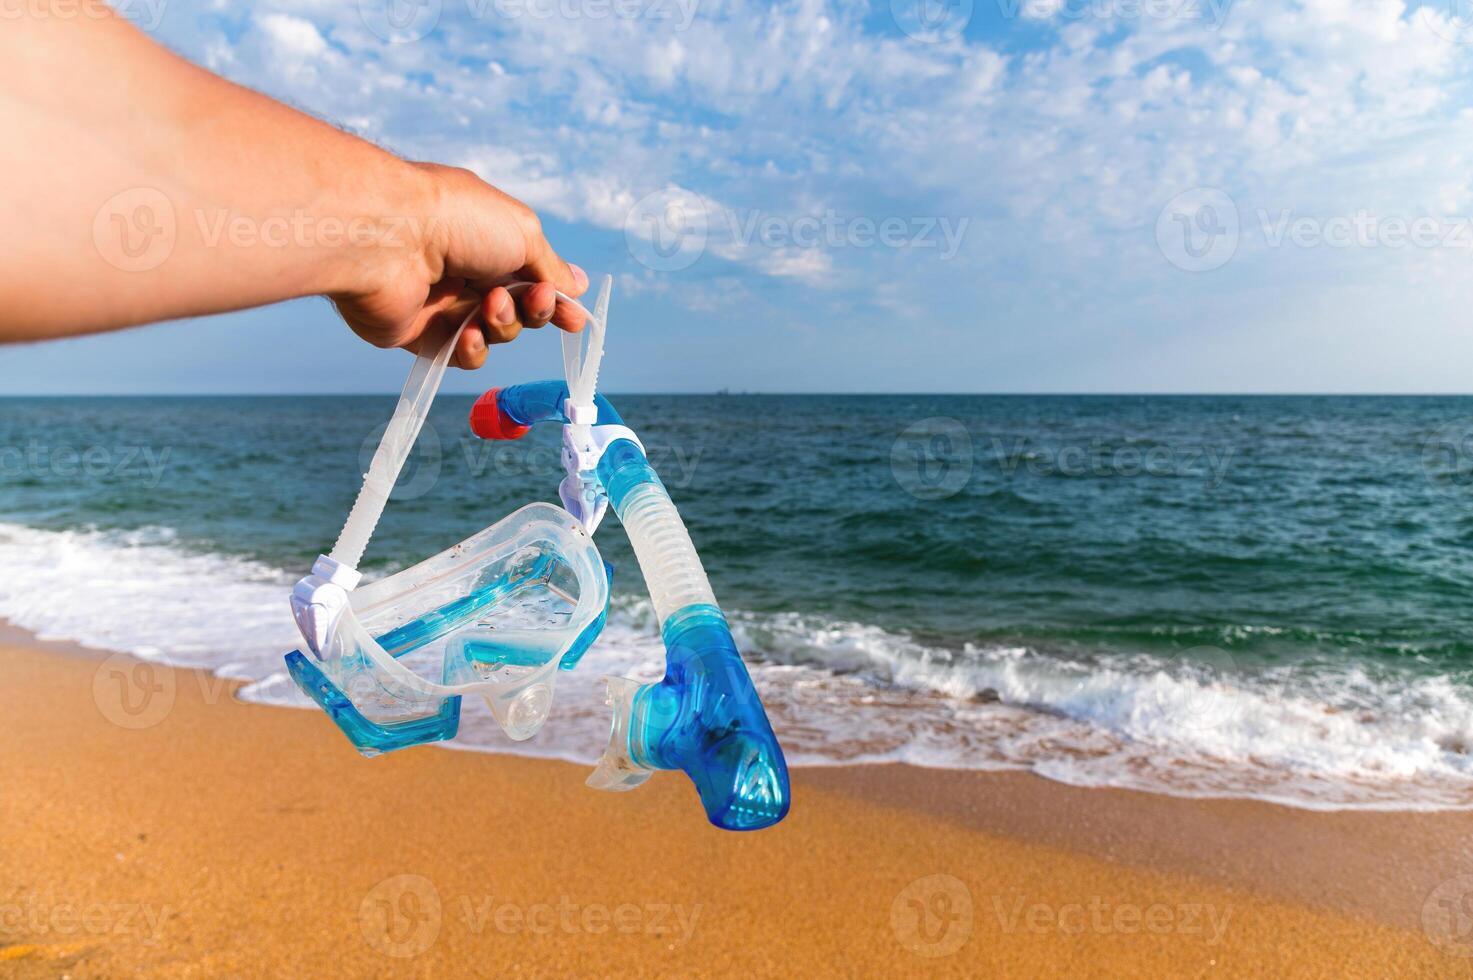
(704, 718)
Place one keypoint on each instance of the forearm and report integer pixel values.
(139, 187)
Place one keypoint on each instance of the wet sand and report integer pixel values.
(153, 823)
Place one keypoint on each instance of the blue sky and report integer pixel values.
(917, 195)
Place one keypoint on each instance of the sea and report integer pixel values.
(1208, 596)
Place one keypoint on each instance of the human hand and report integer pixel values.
(462, 238)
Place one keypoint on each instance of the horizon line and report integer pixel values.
(727, 393)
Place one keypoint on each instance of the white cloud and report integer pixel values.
(1061, 139)
(293, 37)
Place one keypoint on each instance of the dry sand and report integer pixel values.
(184, 833)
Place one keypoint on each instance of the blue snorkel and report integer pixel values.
(704, 717)
(501, 614)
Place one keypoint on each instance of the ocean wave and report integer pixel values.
(1320, 734)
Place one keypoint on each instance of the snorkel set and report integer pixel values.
(504, 612)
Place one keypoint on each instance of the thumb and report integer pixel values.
(545, 265)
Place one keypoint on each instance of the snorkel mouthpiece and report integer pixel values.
(705, 719)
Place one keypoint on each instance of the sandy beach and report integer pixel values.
(156, 824)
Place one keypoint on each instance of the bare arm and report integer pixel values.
(139, 187)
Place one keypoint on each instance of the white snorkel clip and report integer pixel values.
(584, 439)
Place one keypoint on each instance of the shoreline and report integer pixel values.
(231, 812)
(847, 692)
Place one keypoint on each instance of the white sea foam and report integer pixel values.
(1328, 737)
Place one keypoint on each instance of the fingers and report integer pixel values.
(567, 316)
(499, 317)
(537, 305)
(503, 317)
(470, 349)
(444, 309)
(448, 307)
(547, 267)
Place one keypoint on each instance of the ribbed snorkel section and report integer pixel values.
(672, 569)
